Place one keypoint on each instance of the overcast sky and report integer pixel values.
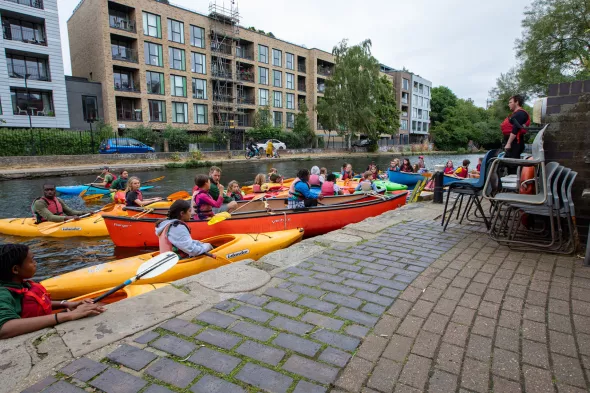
(462, 44)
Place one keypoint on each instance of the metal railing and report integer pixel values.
(221, 47)
(122, 24)
(245, 121)
(129, 87)
(301, 87)
(326, 71)
(246, 100)
(246, 76)
(221, 74)
(124, 54)
(23, 36)
(126, 115)
(20, 73)
(301, 68)
(222, 98)
(244, 54)
(30, 3)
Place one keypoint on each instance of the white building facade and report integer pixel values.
(420, 109)
(32, 81)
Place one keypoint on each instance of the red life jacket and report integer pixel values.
(328, 188)
(347, 175)
(54, 206)
(506, 126)
(36, 302)
(314, 180)
(139, 196)
(108, 185)
(166, 245)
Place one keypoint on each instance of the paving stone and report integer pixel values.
(502, 385)
(225, 305)
(132, 357)
(535, 353)
(386, 326)
(537, 380)
(357, 316)
(410, 294)
(484, 326)
(335, 356)
(398, 348)
(422, 308)
(354, 375)
(450, 358)
(252, 313)
(63, 387)
(297, 344)
(534, 313)
(291, 325)
(456, 334)
(400, 308)
(284, 309)
(214, 360)
(562, 343)
(254, 300)
(297, 270)
(146, 337)
(358, 277)
(442, 382)
(561, 323)
(567, 370)
(311, 369)
(253, 331)
(211, 384)
(488, 309)
(436, 323)
(415, 371)
(316, 304)
(321, 320)
(393, 293)
(312, 282)
(219, 339)
(475, 375)
(357, 330)
(410, 326)
(510, 319)
(506, 364)
(463, 315)
(329, 277)
(445, 306)
(281, 294)
(261, 352)
(264, 378)
(302, 289)
(41, 385)
(307, 387)
(426, 344)
(373, 309)
(385, 375)
(372, 347)
(507, 339)
(173, 372)
(115, 381)
(83, 369)
(361, 285)
(396, 283)
(534, 331)
(582, 324)
(216, 318)
(157, 389)
(453, 293)
(374, 298)
(336, 340)
(181, 326)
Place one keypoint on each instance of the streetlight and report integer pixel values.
(26, 76)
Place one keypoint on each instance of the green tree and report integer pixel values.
(387, 114)
(555, 45)
(302, 126)
(442, 98)
(463, 122)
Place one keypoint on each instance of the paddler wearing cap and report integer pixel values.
(107, 178)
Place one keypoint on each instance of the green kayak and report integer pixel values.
(390, 186)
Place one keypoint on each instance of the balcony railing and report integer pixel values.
(129, 87)
(30, 3)
(124, 54)
(32, 111)
(21, 72)
(244, 54)
(220, 47)
(246, 100)
(128, 115)
(222, 98)
(246, 76)
(122, 24)
(301, 87)
(221, 74)
(301, 68)
(24, 36)
(325, 71)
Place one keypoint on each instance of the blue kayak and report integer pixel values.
(90, 190)
(409, 179)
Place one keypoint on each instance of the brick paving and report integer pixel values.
(413, 310)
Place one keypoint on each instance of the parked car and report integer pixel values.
(124, 145)
(361, 142)
(275, 144)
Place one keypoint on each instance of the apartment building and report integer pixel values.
(420, 109)
(402, 82)
(161, 64)
(32, 82)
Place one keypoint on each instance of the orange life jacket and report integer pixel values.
(507, 126)
(36, 302)
(53, 205)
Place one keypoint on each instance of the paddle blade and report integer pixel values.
(154, 180)
(178, 195)
(218, 218)
(83, 192)
(92, 198)
(157, 265)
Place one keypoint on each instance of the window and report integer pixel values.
(176, 58)
(155, 82)
(405, 98)
(405, 84)
(175, 31)
(123, 80)
(180, 112)
(290, 81)
(421, 101)
(278, 119)
(35, 67)
(419, 126)
(157, 110)
(277, 58)
(414, 125)
(263, 54)
(152, 25)
(427, 103)
(419, 113)
(89, 107)
(153, 54)
(421, 88)
(414, 112)
(290, 61)
(262, 97)
(404, 125)
(425, 128)
(290, 120)
(200, 89)
(35, 100)
(177, 86)
(414, 99)
(197, 36)
(277, 77)
(199, 64)
(427, 91)
(20, 30)
(290, 101)
(201, 114)
(278, 99)
(263, 75)
(415, 87)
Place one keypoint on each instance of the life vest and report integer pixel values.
(507, 126)
(256, 188)
(36, 302)
(314, 180)
(139, 196)
(365, 186)
(449, 171)
(166, 245)
(346, 175)
(462, 173)
(328, 188)
(119, 197)
(54, 206)
(108, 185)
(201, 209)
(527, 173)
(296, 194)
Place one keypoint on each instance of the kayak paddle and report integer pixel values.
(92, 198)
(52, 228)
(149, 269)
(217, 218)
(154, 180)
(178, 195)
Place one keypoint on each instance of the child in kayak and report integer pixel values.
(133, 196)
(449, 169)
(329, 187)
(234, 191)
(323, 174)
(314, 177)
(203, 203)
(463, 170)
(274, 177)
(25, 306)
(258, 182)
(175, 235)
(406, 166)
(366, 184)
(347, 174)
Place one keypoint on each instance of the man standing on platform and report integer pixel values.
(513, 127)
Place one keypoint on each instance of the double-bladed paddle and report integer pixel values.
(52, 228)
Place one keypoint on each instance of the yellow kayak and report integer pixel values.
(270, 186)
(107, 275)
(92, 226)
(124, 293)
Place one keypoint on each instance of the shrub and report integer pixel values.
(178, 139)
(144, 134)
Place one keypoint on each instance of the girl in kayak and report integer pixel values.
(175, 235)
(203, 203)
(406, 166)
(274, 177)
(449, 169)
(234, 192)
(25, 306)
(347, 174)
(133, 196)
(258, 182)
(323, 174)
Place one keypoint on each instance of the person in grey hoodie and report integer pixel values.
(175, 235)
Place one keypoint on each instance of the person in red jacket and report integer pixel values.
(513, 127)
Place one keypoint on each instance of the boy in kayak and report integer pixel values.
(175, 235)
(51, 208)
(463, 170)
(274, 177)
(366, 184)
(25, 306)
(107, 178)
(121, 183)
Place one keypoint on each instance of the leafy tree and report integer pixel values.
(387, 114)
(178, 139)
(144, 134)
(442, 97)
(463, 122)
(302, 126)
(555, 46)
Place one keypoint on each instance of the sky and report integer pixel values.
(461, 44)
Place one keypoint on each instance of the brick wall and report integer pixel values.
(568, 138)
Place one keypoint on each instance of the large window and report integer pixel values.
(155, 82)
(425, 127)
(180, 112)
(177, 61)
(34, 68)
(404, 125)
(176, 31)
(20, 30)
(200, 89)
(263, 54)
(34, 102)
(177, 86)
(197, 36)
(278, 119)
(290, 81)
(152, 25)
(290, 61)
(263, 75)
(277, 78)
(124, 80)
(405, 84)
(201, 114)
(277, 99)
(199, 63)
(153, 54)
(277, 58)
(262, 97)
(157, 110)
(90, 107)
(290, 120)
(290, 101)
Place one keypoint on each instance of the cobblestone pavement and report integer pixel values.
(414, 309)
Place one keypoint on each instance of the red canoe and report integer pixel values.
(132, 232)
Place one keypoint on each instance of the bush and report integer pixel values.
(145, 135)
(178, 139)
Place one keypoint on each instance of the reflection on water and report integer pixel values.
(57, 256)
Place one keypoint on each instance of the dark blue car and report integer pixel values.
(124, 145)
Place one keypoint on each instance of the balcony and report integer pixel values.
(301, 87)
(128, 87)
(244, 53)
(221, 48)
(301, 67)
(127, 115)
(30, 35)
(245, 121)
(31, 72)
(122, 23)
(30, 3)
(124, 54)
(246, 76)
(226, 98)
(246, 100)
(326, 71)
(221, 74)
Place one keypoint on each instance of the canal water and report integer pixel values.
(57, 256)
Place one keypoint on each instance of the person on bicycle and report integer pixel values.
(252, 147)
